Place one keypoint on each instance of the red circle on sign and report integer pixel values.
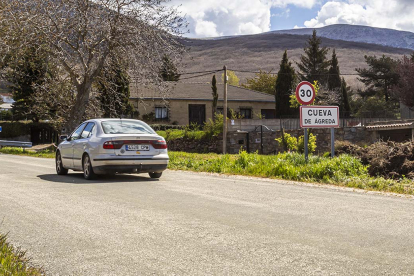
(298, 95)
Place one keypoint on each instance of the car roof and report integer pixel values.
(111, 119)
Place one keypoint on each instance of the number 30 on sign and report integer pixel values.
(305, 93)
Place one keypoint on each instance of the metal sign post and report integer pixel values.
(305, 94)
(305, 144)
(332, 142)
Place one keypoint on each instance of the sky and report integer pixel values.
(212, 18)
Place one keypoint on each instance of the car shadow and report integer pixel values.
(77, 178)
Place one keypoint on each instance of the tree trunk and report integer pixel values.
(78, 110)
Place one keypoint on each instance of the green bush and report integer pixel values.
(161, 127)
(6, 115)
(311, 143)
(214, 127)
(211, 129)
(16, 129)
(297, 144)
(291, 142)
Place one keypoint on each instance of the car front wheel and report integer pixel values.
(88, 172)
(60, 170)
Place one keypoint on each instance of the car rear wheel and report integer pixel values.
(60, 170)
(88, 172)
(155, 175)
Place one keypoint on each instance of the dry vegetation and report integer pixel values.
(388, 159)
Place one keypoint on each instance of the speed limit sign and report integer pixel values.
(305, 93)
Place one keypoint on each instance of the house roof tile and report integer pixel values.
(390, 126)
(198, 91)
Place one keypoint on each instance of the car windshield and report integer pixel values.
(126, 127)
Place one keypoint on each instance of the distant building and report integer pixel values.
(187, 103)
(406, 112)
(7, 99)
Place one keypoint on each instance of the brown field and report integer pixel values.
(264, 51)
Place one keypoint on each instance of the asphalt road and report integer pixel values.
(200, 224)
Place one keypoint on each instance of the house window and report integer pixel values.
(219, 110)
(161, 113)
(246, 113)
(268, 113)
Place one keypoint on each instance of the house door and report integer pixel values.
(197, 114)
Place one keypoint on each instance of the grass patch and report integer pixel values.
(344, 170)
(14, 262)
(20, 151)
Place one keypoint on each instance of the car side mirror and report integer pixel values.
(63, 137)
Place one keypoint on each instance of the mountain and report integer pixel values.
(356, 33)
(251, 53)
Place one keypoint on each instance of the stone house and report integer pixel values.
(186, 103)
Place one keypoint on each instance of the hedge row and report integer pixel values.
(158, 127)
(17, 129)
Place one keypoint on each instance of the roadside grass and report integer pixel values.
(344, 170)
(21, 151)
(13, 261)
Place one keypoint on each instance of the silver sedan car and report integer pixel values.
(109, 146)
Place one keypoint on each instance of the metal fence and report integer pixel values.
(294, 123)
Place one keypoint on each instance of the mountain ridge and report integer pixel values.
(358, 33)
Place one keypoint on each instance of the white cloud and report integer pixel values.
(393, 14)
(285, 14)
(299, 3)
(232, 17)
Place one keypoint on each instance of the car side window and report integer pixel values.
(76, 134)
(87, 132)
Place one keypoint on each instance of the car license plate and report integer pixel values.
(137, 147)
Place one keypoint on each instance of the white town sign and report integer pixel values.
(319, 116)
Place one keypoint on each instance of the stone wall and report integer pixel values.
(196, 146)
(252, 141)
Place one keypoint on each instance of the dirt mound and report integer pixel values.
(387, 159)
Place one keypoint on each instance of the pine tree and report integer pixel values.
(345, 106)
(169, 71)
(334, 78)
(380, 75)
(24, 73)
(215, 96)
(284, 87)
(313, 65)
(114, 93)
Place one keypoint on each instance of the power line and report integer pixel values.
(210, 71)
(258, 72)
(201, 75)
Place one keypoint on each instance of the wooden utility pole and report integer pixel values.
(225, 112)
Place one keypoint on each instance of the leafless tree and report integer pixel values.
(404, 89)
(81, 35)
